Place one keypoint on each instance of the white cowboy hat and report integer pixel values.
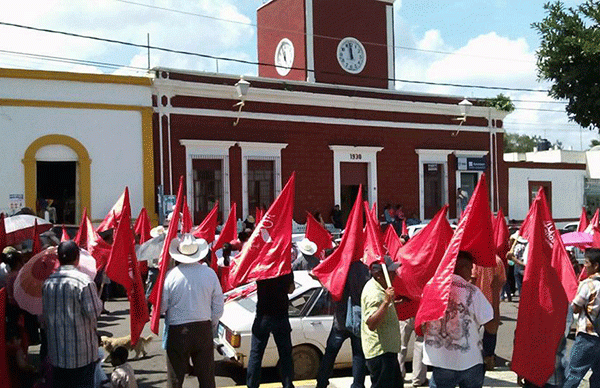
(188, 249)
(307, 247)
(157, 231)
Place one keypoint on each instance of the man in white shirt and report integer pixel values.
(453, 343)
(193, 304)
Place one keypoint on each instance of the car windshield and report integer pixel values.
(301, 302)
(248, 304)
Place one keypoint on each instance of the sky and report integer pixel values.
(467, 42)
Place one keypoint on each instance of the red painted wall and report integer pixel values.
(276, 20)
(364, 20)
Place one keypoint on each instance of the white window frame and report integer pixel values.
(343, 153)
(437, 157)
(260, 151)
(207, 149)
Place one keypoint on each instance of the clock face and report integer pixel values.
(351, 55)
(284, 57)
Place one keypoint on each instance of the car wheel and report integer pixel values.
(306, 362)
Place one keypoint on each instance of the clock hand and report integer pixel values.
(351, 56)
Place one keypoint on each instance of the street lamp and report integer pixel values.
(465, 107)
(241, 88)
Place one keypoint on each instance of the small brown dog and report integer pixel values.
(111, 343)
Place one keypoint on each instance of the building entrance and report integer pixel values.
(56, 184)
(352, 175)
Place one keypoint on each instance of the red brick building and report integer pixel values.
(324, 105)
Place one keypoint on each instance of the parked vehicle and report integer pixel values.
(310, 312)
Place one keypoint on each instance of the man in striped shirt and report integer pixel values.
(70, 312)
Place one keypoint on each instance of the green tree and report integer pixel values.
(500, 102)
(594, 143)
(569, 57)
(514, 142)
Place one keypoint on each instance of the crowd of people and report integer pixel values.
(458, 348)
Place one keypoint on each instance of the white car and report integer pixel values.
(311, 318)
(414, 229)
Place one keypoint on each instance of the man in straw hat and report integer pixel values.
(306, 260)
(192, 302)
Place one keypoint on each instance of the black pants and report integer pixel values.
(385, 371)
(191, 340)
(82, 377)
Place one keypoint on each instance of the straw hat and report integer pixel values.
(188, 249)
(157, 231)
(307, 247)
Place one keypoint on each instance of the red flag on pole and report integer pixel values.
(404, 229)
(596, 240)
(583, 221)
(373, 247)
(88, 239)
(316, 233)
(206, 229)
(65, 235)
(142, 226)
(4, 372)
(187, 223)
(37, 244)
(111, 219)
(163, 264)
(259, 214)
(333, 271)
(420, 258)
(228, 234)
(391, 241)
(3, 241)
(122, 267)
(548, 285)
(474, 235)
(267, 253)
(594, 222)
(501, 236)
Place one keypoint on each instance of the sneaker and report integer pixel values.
(423, 384)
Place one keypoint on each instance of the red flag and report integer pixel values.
(583, 221)
(228, 233)
(267, 253)
(594, 222)
(333, 271)
(391, 241)
(111, 219)
(501, 236)
(259, 214)
(596, 241)
(37, 244)
(142, 226)
(548, 280)
(206, 229)
(65, 235)
(373, 247)
(163, 264)
(474, 235)
(4, 381)
(316, 233)
(420, 258)
(3, 241)
(404, 228)
(187, 224)
(88, 239)
(122, 267)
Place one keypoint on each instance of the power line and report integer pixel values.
(441, 52)
(247, 62)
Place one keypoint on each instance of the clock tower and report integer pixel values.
(349, 42)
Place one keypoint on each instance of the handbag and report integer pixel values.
(353, 318)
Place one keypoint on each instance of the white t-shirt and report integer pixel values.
(587, 297)
(454, 342)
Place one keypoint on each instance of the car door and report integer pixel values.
(316, 325)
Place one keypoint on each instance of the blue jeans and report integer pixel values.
(585, 354)
(447, 378)
(334, 343)
(519, 272)
(385, 371)
(263, 326)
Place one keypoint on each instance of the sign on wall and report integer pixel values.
(471, 164)
(16, 202)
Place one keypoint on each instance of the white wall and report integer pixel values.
(113, 138)
(567, 191)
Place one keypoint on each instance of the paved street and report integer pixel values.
(151, 370)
